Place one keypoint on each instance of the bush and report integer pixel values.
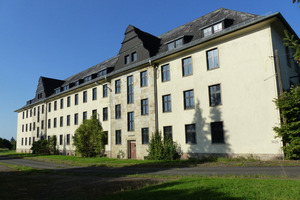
(289, 131)
(162, 150)
(40, 147)
(89, 138)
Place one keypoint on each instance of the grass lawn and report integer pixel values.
(216, 188)
(111, 162)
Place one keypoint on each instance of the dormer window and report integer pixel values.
(134, 57)
(175, 44)
(102, 73)
(127, 59)
(57, 90)
(88, 78)
(213, 29)
(66, 87)
(40, 95)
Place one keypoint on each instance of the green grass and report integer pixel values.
(217, 188)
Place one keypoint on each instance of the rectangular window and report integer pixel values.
(130, 121)
(60, 139)
(49, 123)
(49, 107)
(215, 95)
(145, 135)
(43, 108)
(144, 79)
(33, 128)
(118, 86)
(118, 111)
(30, 127)
(105, 90)
(22, 141)
(171, 46)
(127, 59)
(55, 105)
(165, 73)
(217, 133)
(25, 141)
(26, 129)
(187, 68)
(118, 137)
(54, 123)
(68, 101)
(84, 97)
(168, 132)
(68, 120)
(34, 112)
(218, 27)
(75, 118)
(130, 89)
(42, 124)
(30, 112)
(84, 115)
(188, 99)
(190, 134)
(105, 114)
(144, 107)
(105, 137)
(76, 99)
(26, 113)
(23, 115)
(61, 122)
(23, 128)
(61, 103)
(212, 59)
(38, 114)
(94, 113)
(38, 132)
(134, 56)
(166, 103)
(68, 139)
(94, 93)
(33, 139)
(29, 142)
(207, 31)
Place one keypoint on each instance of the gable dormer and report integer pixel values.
(136, 46)
(46, 87)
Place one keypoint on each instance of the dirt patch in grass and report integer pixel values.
(20, 185)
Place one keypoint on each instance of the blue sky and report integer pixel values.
(59, 38)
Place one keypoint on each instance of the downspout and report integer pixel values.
(155, 68)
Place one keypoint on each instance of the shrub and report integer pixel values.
(162, 150)
(40, 147)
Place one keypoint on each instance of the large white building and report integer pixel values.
(209, 85)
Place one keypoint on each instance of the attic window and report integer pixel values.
(102, 73)
(66, 87)
(40, 95)
(88, 78)
(175, 44)
(127, 59)
(134, 56)
(213, 29)
(57, 90)
(76, 83)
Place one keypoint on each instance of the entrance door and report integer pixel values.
(132, 149)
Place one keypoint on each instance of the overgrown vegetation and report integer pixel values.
(11, 145)
(289, 131)
(44, 146)
(89, 138)
(291, 42)
(160, 149)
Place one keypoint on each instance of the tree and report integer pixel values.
(89, 138)
(4, 143)
(40, 147)
(13, 143)
(289, 131)
(294, 1)
(292, 43)
(162, 150)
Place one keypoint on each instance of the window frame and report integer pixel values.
(84, 96)
(105, 91)
(188, 66)
(168, 102)
(145, 135)
(130, 121)
(168, 132)
(165, 73)
(216, 94)
(118, 111)
(118, 86)
(190, 132)
(189, 102)
(212, 58)
(144, 78)
(144, 107)
(118, 137)
(215, 138)
(105, 114)
(130, 90)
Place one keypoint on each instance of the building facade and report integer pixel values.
(209, 85)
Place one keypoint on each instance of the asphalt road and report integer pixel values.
(289, 171)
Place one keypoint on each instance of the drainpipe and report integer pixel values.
(155, 67)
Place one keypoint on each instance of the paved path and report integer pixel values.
(290, 171)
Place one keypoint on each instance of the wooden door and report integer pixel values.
(132, 149)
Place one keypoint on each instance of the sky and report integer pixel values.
(59, 38)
